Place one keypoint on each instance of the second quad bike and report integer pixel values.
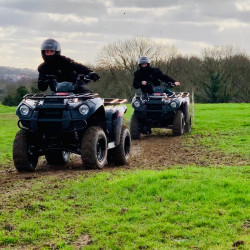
(160, 110)
(61, 123)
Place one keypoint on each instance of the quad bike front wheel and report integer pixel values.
(135, 127)
(120, 154)
(94, 148)
(24, 158)
(57, 157)
(178, 123)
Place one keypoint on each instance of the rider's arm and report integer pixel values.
(80, 68)
(74, 66)
(44, 81)
(137, 83)
(164, 77)
(42, 85)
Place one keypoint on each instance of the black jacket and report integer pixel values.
(152, 76)
(63, 68)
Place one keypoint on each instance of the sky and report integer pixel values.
(83, 27)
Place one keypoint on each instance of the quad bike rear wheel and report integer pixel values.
(24, 158)
(94, 148)
(120, 154)
(178, 123)
(57, 157)
(135, 127)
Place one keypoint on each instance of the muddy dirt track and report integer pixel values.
(156, 151)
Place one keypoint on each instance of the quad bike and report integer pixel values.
(160, 110)
(61, 123)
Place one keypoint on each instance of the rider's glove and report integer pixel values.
(93, 76)
(50, 80)
(171, 84)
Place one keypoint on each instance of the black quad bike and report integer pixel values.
(61, 123)
(160, 110)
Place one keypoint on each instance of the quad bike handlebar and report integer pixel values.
(162, 84)
(80, 79)
(85, 78)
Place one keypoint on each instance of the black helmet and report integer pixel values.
(143, 59)
(50, 44)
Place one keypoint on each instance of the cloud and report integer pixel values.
(72, 19)
(243, 6)
(84, 26)
(79, 8)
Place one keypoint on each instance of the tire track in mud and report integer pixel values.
(156, 151)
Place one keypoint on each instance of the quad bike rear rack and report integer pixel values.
(114, 101)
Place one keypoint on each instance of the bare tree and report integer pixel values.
(120, 59)
(124, 54)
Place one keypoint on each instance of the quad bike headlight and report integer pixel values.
(84, 109)
(24, 110)
(173, 104)
(137, 104)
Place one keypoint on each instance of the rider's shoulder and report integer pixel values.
(41, 67)
(65, 59)
(137, 72)
(156, 70)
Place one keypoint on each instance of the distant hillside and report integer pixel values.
(29, 73)
(11, 74)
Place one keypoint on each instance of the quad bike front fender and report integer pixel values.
(114, 120)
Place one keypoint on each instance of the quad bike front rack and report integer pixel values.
(59, 96)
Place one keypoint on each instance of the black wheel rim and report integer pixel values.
(100, 149)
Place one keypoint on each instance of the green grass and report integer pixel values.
(129, 112)
(207, 208)
(8, 128)
(179, 208)
(224, 126)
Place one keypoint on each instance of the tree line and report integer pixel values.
(12, 93)
(220, 74)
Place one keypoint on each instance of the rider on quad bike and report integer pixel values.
(158, 107)
(63, 68)
(70, 119)
(146, 76)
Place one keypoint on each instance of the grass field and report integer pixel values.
(206, 208)
(183, 207)
(8, 128)
(224, 126)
